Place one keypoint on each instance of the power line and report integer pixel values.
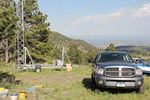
(64, 16)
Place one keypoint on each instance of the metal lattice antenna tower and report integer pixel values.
(20, 33)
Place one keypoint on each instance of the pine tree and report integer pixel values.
(37, 31)
(7, 28)
(75, 55)
(111, 47)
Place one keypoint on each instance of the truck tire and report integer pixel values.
(141, 89)
(38, 68)
(94, 86)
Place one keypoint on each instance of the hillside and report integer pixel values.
(60, 41)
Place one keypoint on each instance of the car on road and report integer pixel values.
(143, 65)
(116, 70)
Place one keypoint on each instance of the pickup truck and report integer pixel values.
(116, 70)
(143, 65)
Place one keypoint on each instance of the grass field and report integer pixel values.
(63, 85)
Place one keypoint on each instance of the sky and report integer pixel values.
(100, 21)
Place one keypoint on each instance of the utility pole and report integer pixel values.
(63, 55)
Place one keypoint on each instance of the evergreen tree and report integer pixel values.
(37, 31)
(111, 47)
(91, 54)
(75, 55)
(7, 28)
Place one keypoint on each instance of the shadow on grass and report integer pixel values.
(87, 84)
(5, 78)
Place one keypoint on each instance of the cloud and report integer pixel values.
(101, 18)
(143, 11)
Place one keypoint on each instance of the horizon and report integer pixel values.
(100, 21)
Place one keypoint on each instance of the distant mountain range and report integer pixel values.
(104, 44)
(134, 49)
